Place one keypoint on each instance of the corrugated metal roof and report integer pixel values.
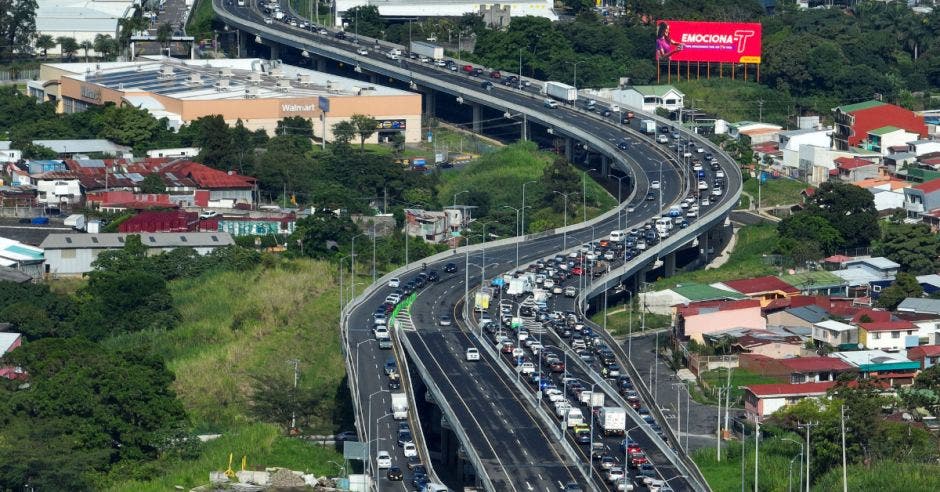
(918, 305)
(152, 240)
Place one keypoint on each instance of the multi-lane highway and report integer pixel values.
(498, 423)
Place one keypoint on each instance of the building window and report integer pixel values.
(876, 288)
(68, 254)
(895, 334)
(797, 378)
(876, 336)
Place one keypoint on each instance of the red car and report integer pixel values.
(637, 459)
(577, 271)
(495, 74)
(468, 68)
(633, 447)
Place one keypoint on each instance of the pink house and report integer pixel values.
(762, 400)
(8, 342)
(700, 318)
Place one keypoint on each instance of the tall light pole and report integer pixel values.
(373, 252)
(790, 469)
(293, 411)
(619, 198)
(517, 231)
(564, 239)
(575, 63)
(584, 193)
(369, 429)
(462, 218)
(352, 255)
(522, 223)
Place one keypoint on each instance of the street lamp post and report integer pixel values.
(575, 63)
(373, 252)
(591, 446)
(564, 239)
(522, 223)
(800, 483)
(369, 428)
(353, 263)
(517, 231)
(619, 198)
(584, 193)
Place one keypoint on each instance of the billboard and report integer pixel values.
(724, 42)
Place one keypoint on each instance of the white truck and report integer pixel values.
(575, 417)
(592, 398)
(648, 127)
(429, 50)
(75, 221)
(399, 406)
(562, 92)
(612, 420)
(519, 286)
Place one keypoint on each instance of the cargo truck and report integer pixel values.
(562, 92)
(648, 127)
(591, 398)
(575, 417)
(612, 420)
(429, 50)
(399, 406)
(481, 300)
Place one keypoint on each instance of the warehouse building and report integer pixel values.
(257, 92)
(80, 19)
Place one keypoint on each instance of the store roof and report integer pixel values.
(851, 108)
(150, 240)
(703, 292)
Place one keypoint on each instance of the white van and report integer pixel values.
(617, 236)
(663, 226)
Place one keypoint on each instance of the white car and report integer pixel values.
(392, 56)
(608, 255)
(686, 154)
(702, 185)
(700, 150)
(697, 166)
(394, 282)
(527, 368)
(614, 474)
(705, 201)
(473, 354)
(268, 20)
(362, 51)
(549, 283)
(384, 460)
(410, 450)
(381, 332)
(655, 185)
(440, 63)
(716, 191)
(557, 289)
(720, 173)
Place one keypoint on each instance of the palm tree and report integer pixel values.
(68, 46)
(165, 35)
(45, 42)
(86, 45)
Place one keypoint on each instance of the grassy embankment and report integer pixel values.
(773, 192)
(500, 175)
(240, 326)
(747, 259)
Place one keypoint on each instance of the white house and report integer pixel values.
(882, 139)
(58, 191)
(835, 333)
(73, 254)
(921, 147)
(645, 98)
(755, 131)
(887, 199)
(791, 141)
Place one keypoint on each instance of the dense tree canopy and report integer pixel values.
(849, 209)
(914, 246)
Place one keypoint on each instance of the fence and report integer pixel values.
(13, 75)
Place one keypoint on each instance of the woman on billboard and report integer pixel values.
(665, 46)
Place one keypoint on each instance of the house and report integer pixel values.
(701, 318)
(926, 355)
(664, 301)
(835, 333)
(73, 254)
(790, 142)
(770, 343)
(164, 221)
(58, 189)
(867, 276)
(763, 288)
(916, 305)
(757, 133)
(855, 121)
(885, 139)
(8, 342)
(854, 169)
(646, 98)
(802, 317)
(430, 225)
(895, 369)
(8, 274)
(796, 370)
(21, 257)
(762, 400)
(892, 336)
(817, 283)
(930, 283)
(923, 147)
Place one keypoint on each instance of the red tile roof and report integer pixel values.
(888, 326)
(917, 353)
(759, 285)
(695, 308)
(775, 389)
(815, 364)
(929, 186)
(849, 163)
(838, 259)
(875, 315)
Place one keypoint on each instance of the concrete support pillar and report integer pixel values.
(525, 127)
(477, 115)
(605, 166)
(669, 265)
(568, 146)
(373, 79)
(242, 40)
(275, 51)
(192, 50)
(133, 49)
(320, 64)
(430, 108)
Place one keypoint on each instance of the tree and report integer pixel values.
(343, 133)
(805, 227)
(294, 125)
(849, 209)
(86, 46)
(68, 46)
(34, 151)
(152, 183)
(904, 286)
(17, 25)
(913, 246)
(365, 127)
(86, 409)
(398, 143)
(560, 176)
(165, 35)
(45, 42)
(214, 140)
(318, 236)
(365, 21)
(106, 46)
(128, 125)
(35, 311)
(275, 399)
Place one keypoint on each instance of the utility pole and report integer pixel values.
(293, 411)
(756, 452)
(845, 479)
(760, 110)
(718, 432)
(807, 425)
